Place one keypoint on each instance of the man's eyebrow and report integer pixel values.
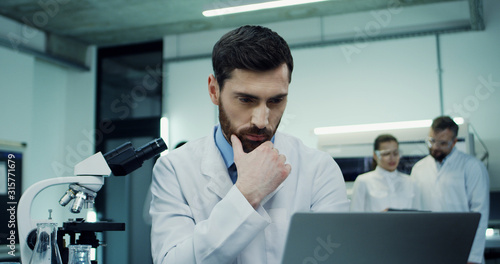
(281, 95)
(240, 94)
(256, 97)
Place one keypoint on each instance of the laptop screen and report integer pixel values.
(386, 237)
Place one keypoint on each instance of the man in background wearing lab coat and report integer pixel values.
(452, 181)
(228, 197)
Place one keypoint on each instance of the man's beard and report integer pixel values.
(438, 155)
(248, 145)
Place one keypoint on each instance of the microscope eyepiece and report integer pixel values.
(151, 149)
(125, 159)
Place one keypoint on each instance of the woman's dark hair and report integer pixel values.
(254, 48)
(379, 140)
(383, 138)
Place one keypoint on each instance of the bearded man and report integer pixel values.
(449, 180)
(229, 197)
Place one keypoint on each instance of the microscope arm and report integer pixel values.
(24, 221)
(91, 173)
(89, 179)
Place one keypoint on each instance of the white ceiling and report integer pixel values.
(118, 22)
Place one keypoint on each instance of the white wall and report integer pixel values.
(52, 109)
(190, 112)
(16, 73)
(374, 87)
(364, 82)
(471, 82)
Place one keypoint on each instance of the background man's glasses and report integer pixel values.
(438, 143)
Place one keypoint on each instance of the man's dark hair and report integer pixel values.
(254, 48)
(383, 138)
(442, 123)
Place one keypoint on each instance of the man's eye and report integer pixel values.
(443, 143)
(245, 100)
(276, 100)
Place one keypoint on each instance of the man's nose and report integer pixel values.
(260, 116)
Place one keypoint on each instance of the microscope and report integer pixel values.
(83, 188)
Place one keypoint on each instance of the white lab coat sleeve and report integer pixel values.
(329, 191)
(358, 197)
(477, 184)
(176, 238)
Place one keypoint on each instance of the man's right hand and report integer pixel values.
(260, 172)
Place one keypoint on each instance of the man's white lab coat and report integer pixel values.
(199, 216)
(460, 185)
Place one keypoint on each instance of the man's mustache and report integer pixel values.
(257, 131)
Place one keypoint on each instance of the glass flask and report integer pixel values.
(46, 250)
(79, 254)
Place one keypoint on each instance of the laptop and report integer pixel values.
(394, 237)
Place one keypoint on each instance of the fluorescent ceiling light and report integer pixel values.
(378, 126)
(254, 7)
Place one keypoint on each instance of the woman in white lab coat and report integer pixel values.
(384, 187)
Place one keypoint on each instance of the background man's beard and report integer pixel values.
(438, 155)
(248, 145)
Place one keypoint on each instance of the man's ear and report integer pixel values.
(375, 157)
(213, 89)
(454, 142)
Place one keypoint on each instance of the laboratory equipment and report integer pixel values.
(82, 232)
(83, 188)
(79, 254)
(46, 250)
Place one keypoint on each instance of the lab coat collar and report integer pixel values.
(213, 166)
(224, 147)
(386, 173)
(391, 177)
(439, 165)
